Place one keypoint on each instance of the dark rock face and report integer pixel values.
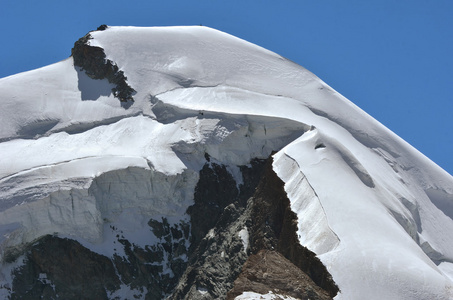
(221, 258)
(217, 261)
(216, 190)
(241, 238)
(218, 215)
(273, 236)
(63, 268)
(269, 270)
(144, 268)
(93, 61)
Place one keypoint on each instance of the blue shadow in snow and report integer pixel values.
(92, 89)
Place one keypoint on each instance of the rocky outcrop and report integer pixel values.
(63, 268)
(219, 231)
(93, 61)
(216, 189)
(264, 226)
(241, 238)
(269, 270)
(217, 261)
(154, 270)
(274, 242)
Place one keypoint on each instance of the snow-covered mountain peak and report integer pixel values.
(138, 127)
(170, 57)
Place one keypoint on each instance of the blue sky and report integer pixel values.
(394, 59)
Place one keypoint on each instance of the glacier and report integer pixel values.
(76, 162)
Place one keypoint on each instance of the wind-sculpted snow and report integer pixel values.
(161, 184)
(53, 99)
(380, 240)
(75, 162)
(314, 231)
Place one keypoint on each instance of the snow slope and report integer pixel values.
(376, 211)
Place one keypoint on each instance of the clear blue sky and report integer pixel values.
(394, 59)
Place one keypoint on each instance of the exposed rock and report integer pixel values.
(217, 261)
(219, 214)
(93, 61)
(220, 256)
(157, 267)
(236, 245)
(102, 27)
(275, 227)
(215, 190)
(270, 271)
(56, 267)
(63, 268)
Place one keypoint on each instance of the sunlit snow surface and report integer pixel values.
(376, 211)
(268, 296)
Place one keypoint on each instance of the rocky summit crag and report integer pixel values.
(92, 61)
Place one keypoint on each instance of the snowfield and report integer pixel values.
(73, 160)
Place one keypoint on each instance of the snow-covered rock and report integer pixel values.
(76, 162)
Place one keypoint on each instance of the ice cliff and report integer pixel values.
(174, 162)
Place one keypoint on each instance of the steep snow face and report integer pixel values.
(371, 219)
(376, 211)
(77, 181)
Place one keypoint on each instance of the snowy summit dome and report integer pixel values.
(80, 164)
